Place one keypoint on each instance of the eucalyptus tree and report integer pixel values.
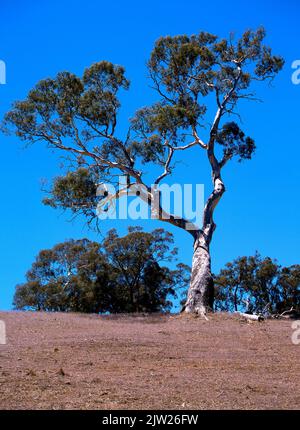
(259, 281)
(79, 116)
(121, 274)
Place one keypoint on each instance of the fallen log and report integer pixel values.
(251, 317)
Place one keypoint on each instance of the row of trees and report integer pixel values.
(131, 274)
(262, 282)
(122, 274)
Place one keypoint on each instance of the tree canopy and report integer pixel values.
(190, 75)
(122, 274)
(79, 115)
(259, 280)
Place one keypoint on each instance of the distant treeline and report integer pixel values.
(133, 274)
(262, 282)
(121, 274)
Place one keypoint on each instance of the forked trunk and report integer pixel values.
(200, 296)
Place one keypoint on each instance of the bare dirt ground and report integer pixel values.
(73, 361)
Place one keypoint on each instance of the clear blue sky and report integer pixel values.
(40, 38)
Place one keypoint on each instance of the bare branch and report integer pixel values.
(201, 143)
(167, 170)
(183, 148)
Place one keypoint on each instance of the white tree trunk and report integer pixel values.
(201, 290)
(200, 297)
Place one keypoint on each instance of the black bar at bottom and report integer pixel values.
(136, 419)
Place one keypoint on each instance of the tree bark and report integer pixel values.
(200, 297)
(201, 291)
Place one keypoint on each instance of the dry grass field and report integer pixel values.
(74, 361)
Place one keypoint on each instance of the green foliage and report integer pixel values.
(186, 69)
(233, 139)
(69, 107)
(79, 114)
(74, 189)
(123, 274)
(262, 281)
(194, 65)
(152, 125)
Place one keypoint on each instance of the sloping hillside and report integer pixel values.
(67, 361)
